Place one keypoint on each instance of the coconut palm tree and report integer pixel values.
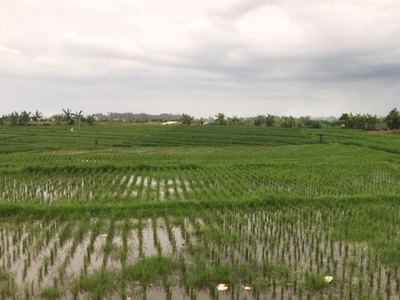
(78, 116)
(221, 120)
(37, 117)
(234, 120)
(68, 116)
(13, 118)
(24, 118)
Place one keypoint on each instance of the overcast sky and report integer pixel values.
(284, 57)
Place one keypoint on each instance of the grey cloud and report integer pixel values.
(237, 9)
(246, 55)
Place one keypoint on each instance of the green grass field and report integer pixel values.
(170, 212)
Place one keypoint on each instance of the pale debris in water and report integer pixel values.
(222, 287)
(328, 279)
(246, 287)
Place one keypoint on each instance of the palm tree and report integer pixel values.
(270, 120)
(58, 118)
(187, 119)
(90, 119)
(259, 120)
(24, 118)
(78, 116)
(288, 122)
(371, 121)
(351, 121)
(221, 119)
(13, 118)
(284, 121)
(68, 116)
(292, 122)
(202, 121)
(37, 117)
(360, 121)
(234, 120)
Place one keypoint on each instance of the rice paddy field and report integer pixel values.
(122, 211)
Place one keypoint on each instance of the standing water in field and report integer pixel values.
(286, 253)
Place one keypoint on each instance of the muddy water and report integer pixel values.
(180, 294)
(84, 189)
(300, 246)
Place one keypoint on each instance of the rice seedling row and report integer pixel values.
(275, 253)
(94, 185)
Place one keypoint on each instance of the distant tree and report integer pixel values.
(309, 123)
(37, 117)
(259, 120)
(350, 121)
(13, 118)
(79, 117)
(234, 120)
(202, 121)
(187, 119)
(270, 120)
(371, 121)
(343, 118)
(288, 122)
(24, 118)
(58, 119)
(68, 116)
(3, 119)
(90, 119)
(139, 118)
(358, 121)
(221, 120)
(393, 119)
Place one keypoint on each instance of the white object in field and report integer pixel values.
(328, 279)
(103, 235)
(246, 287)
(72, 130)
(222, 287)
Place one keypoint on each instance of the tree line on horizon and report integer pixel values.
(67, 116)
(346, 120)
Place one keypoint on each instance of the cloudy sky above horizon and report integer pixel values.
(287, 57)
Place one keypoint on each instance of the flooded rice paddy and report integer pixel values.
(277, 254)
(93, 185)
